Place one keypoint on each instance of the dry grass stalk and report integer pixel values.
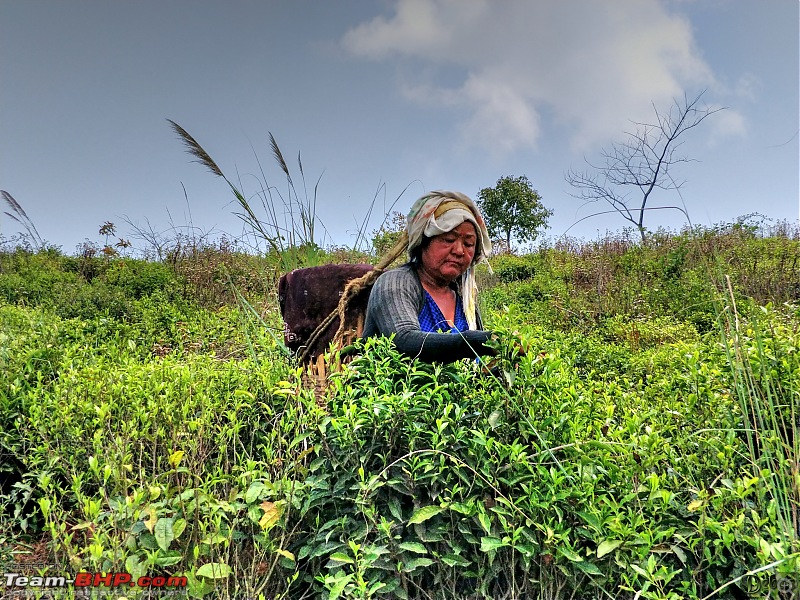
(22, 218)
(196, 150)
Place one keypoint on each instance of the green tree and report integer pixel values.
(513, 207)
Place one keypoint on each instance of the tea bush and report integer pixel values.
(433, 478)
(138, 278)
(576, 283)
(644, 446)
(32, 278)
(111, 440)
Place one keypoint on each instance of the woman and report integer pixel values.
(430, 302)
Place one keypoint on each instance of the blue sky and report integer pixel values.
(383, 99)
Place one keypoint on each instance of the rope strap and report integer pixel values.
(351, 290)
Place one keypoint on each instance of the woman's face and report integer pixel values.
(449, 254)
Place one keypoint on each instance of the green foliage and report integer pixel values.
(671, 276)
(513, 207)
(32, 278)
(627, 452)
(388, 234)
(138, 278)
(132, 461)
(432, 478)
(509, 267)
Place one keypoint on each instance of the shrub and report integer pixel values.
(138, 278)
(630, 452)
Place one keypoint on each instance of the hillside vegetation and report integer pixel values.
(644, 446)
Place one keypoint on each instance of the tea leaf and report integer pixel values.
(341, 557)
(178, 527)
(135, 567)
(285, 554)
(254, 491)
(588, 567)
(394, 508)
(150, 521)
(338, 587)
(485, 521)
(216, 570)
(175, 458)
(169, 559)
(607, 546)
(570, 554)
(413, 547)
(416, 563)
(271, 514)
(679, 553)
(148, 541)
(423, 514)
(464, 509)
(491, 543)
(454, 560)
(164, 533)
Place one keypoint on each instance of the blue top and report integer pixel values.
(432, 320)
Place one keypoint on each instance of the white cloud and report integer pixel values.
(727, 123)
(594, 66)
(501, 116)
(747, 87)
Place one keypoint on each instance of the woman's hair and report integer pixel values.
(416, 252)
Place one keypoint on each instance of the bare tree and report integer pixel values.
(641, 164)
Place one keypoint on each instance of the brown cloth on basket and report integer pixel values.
(307, 296)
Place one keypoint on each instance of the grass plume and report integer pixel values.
(290, 231)
(21, 217)
(196, 150)
(276, 151)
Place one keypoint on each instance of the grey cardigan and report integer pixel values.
(394, 305)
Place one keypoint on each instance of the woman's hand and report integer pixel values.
(507, 345)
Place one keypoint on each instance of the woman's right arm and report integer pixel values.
(394, 306)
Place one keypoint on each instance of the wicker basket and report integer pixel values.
(317, 370)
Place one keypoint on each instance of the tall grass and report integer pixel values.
(19, 215)
(763, 353)
(285, 222)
